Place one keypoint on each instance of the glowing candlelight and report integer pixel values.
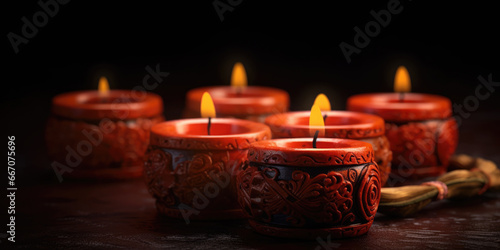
(316, 124)
(323, 103)
(402, 83)
(239, 77)
(103, 86)
(207, 109)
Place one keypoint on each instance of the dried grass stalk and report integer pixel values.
(472, 176)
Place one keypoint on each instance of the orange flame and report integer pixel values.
(316, 122)
(103, 86)
(207, 107)
(402, 81)
(239, 76)
(322, 102)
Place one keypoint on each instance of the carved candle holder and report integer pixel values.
(339, 124)
(250, 103)
(191, 174)
(420, 129)
(291, 190)
(94, 137)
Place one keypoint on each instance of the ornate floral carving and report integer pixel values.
(195, 174)
(276, 157)
(176, 185)
(324, 198)
(368, 196)
(204, 181)
(382, 155)
(158, 172)
(426, 146)
(447, 140)
(117, 146)
(353, 174)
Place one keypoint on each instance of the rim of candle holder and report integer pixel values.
(167, 134)
(416, 106)
(253, 100)
(357, 125)
(76, 105)
(299, 152)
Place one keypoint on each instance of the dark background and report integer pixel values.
(293, 45)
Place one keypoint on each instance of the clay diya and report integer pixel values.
(338, 124)
(238, 100)
(192, 172)
(290, 189)
(420, 128)
(101, 134)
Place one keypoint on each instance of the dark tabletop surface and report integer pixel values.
(123, 215)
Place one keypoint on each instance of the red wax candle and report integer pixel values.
(251, 103)
(192, 174)
(91, 135)
(290, 189)
(420, 129)
(339, 124)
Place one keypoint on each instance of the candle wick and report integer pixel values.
(315, 138)
(238, 91)
(401, 96)
(209, 125)
(324, 117)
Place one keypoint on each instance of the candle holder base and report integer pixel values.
(193, 175)
(98, 149)
(421, 149)
(290, 191)
(311, 233)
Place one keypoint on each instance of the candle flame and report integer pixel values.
(207, 106)
(103, 86)
(239, 76)
(402, 81)
(316, 122)
(322, 102)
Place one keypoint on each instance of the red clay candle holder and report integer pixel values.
(291, 190)
(191, 174)
(251, 103)
(95, 136)
(420, 129)
(339, 124)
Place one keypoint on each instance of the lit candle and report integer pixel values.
(239, 100)
(101, 134)
(207, 109)
(316, 124)
(338, 124)
(420, 129)
(291, 189)
(191, 172)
